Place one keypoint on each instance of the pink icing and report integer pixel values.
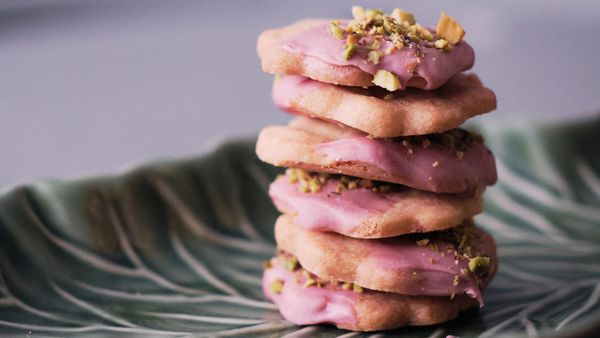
(312, 305)
(327, 210)
(434, 270)
(289, 87)
(451, 174)
(435, 67)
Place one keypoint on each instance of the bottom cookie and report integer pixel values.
(305, 299)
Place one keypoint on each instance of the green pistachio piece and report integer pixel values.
(336, 31)
(349, 51)
(387, 80)
(479, 265)
(403, 16)
(277, 285)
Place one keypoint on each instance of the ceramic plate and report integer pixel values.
(177, 248)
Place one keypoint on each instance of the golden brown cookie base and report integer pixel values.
(409, 112)
(385, 311)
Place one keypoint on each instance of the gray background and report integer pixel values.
(87, 87)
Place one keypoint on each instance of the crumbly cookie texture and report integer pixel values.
(391, 210)
(383, 114)
(369, 310)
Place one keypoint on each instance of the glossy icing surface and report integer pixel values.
(416, 65)
(308, 305)
(327, 209)
(435, 168)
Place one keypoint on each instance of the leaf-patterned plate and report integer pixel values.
(176, 249)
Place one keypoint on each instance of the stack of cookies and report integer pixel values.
(381, 186)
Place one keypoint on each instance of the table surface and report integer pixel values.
(88, 87)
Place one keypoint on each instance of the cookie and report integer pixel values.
(383, 114)
(304, 299)
(308, 48)
(366, 209)
(451, 162)
(458, 261)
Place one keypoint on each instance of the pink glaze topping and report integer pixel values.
(434, 267)
(434, 67)
(327, 210)
(436, 168)
(311, 305)
(289, 87)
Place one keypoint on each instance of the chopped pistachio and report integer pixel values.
(388, 96)
(375, 45)
(314, 185)
(479, 265)
(309, 282)
(423, 242)
(277, 285)
(304, 187)
(352, 185)
(358, 13)
(441, 44)
(402, 16)
(349, 51)
(352, 39)
(375, 57)
(291, 263)
(425, 34)
(267, 264)
(449, 29)
(336, 31)
(387, 80)
(357, 288)
(347, 286)
(293, 176)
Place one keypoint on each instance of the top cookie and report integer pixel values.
(391, 51)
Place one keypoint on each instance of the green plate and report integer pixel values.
(177, 248)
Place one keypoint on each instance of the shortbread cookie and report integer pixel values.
(451, 162)
(366, 209)
(458, 261)
(304, 299)
(383, 114)
(341, 52)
